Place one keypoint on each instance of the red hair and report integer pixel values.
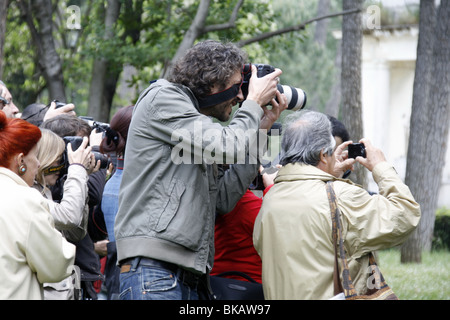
(16, 136)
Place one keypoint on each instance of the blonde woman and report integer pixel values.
(71, 214)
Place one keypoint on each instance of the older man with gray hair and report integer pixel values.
(6, 102)
(293, 231)
(42, 112)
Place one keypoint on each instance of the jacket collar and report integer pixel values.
(183, 88)
(8, 173)
(297, 171)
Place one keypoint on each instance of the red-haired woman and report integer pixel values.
(32, 251)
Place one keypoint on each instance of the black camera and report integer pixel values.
(97, 125)
(58, 104)
(296, 97)
(75, 142)
(356, 150)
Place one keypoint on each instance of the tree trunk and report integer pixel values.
(320, 38)
(439, 117)
(321, 30)
(333, 103)
(196, 28)
(430, 120)
(98, 108)
(411, 250)
(49, 60)
(3, 15)
(351, 78)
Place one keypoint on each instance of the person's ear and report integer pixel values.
(323, 157)
(19, 159)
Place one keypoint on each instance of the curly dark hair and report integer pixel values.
(206, 64)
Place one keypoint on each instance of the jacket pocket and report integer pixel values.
(175, 191)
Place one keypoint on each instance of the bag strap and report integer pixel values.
(336, 282)
(347, 285)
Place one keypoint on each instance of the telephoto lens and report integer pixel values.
(296, 97)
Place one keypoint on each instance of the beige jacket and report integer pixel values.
(71, 215)
(32, 251)
(293, 233)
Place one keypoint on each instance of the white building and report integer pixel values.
(388, 66)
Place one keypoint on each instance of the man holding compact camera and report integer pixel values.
(165, 224)
(293, 230)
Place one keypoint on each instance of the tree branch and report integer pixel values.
(195, 29)
(298, 27)
(231, 22)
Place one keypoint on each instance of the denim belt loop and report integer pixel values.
(135, 263)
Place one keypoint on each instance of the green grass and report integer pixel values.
(429, 280)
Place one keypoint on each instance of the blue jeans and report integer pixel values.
(144, 282)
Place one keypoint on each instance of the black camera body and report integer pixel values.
(58, 104)
(296, 97)
(356, 150)
(97, 125)
(75, 142)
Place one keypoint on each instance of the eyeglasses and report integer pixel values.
(54, 169)
(58, 168)
(3, 102)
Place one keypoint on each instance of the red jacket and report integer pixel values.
(234, 239)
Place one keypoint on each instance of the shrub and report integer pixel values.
(441, 235)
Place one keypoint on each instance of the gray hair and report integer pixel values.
(307, 133)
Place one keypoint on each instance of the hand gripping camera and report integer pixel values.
(76, 141)
(296, 97)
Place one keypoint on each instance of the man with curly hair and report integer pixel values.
(169, 195)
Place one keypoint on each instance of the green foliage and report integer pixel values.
(305, 63)
(441, 235)
(148, 33)
(21, 73)
(146, 37)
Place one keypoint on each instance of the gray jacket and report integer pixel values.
(167, 207)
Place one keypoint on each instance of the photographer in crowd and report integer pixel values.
(293, 230)
(114, 143)
(71, 213)
(165, 224)
(87, 259)
(36, 111)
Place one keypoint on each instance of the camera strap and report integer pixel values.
(219, 97)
